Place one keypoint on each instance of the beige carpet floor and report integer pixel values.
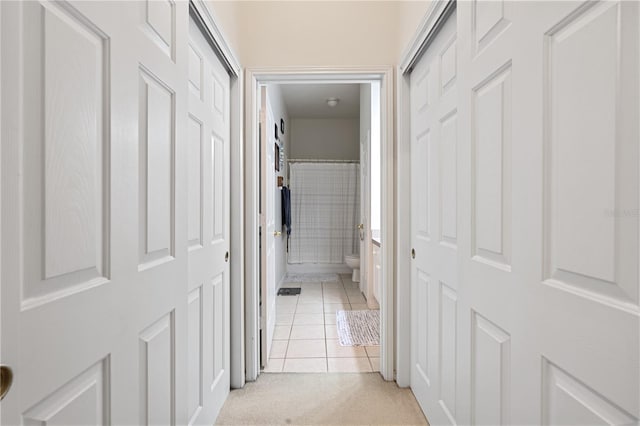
(313, 399)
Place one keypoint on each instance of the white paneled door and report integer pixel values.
(208, 231)
(268, 226)
(434, 291)
(102, 322)
(539, 198)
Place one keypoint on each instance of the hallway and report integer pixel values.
(321, 399)
(144, 152)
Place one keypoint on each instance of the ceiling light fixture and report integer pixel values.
(332, 102)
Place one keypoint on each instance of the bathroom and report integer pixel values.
(321, 145)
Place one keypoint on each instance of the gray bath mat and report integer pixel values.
(311, 278)
(358, 328)
(289, 291)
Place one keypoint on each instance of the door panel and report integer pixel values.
(70, 185)
(434, 224)
(195, 389)
(81, 75)
(545, 315)
(208, 222)
(490, 363)
(81, 400)
(106, 316)
(583, 193)
(541, 219)
(157, 165)
(491, 163)
(157, 352)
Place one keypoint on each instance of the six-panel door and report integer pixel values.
(97, 229)
(542, 327)
(208, 153)
(434, 213)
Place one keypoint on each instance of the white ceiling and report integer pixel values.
(310, 100)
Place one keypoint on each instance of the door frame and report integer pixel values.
(213, 33)
(436, 16)
(254, 77)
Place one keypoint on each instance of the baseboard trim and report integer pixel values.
(281, 281)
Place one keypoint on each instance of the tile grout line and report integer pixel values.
(347, 305)
(324, 327)
(286, 352)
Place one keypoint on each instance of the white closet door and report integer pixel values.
(551, 102)
(208, 226)
(95, 138)
(550, 95)
(548, 226)
(434, 288)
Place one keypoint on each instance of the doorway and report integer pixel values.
(333, 288)
(319, 310)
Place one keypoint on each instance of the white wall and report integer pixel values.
(325, 138)
(278, 107)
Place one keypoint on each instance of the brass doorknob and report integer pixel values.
(6, 379)
(277, 233)
(413, 253)
(361, 226)
(226, 257)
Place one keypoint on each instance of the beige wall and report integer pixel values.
(225, 14)
(318, 33)
(410, 15)
(325, 138)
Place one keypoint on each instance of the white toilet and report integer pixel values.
(353, 262)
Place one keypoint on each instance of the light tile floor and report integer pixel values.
(306, 337)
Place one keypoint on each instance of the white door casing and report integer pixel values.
(547, 225)
(208, 230)
(257, 77)
(95, 223)
(267, 209)
(434, 290)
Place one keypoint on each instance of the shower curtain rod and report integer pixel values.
(300, 160)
